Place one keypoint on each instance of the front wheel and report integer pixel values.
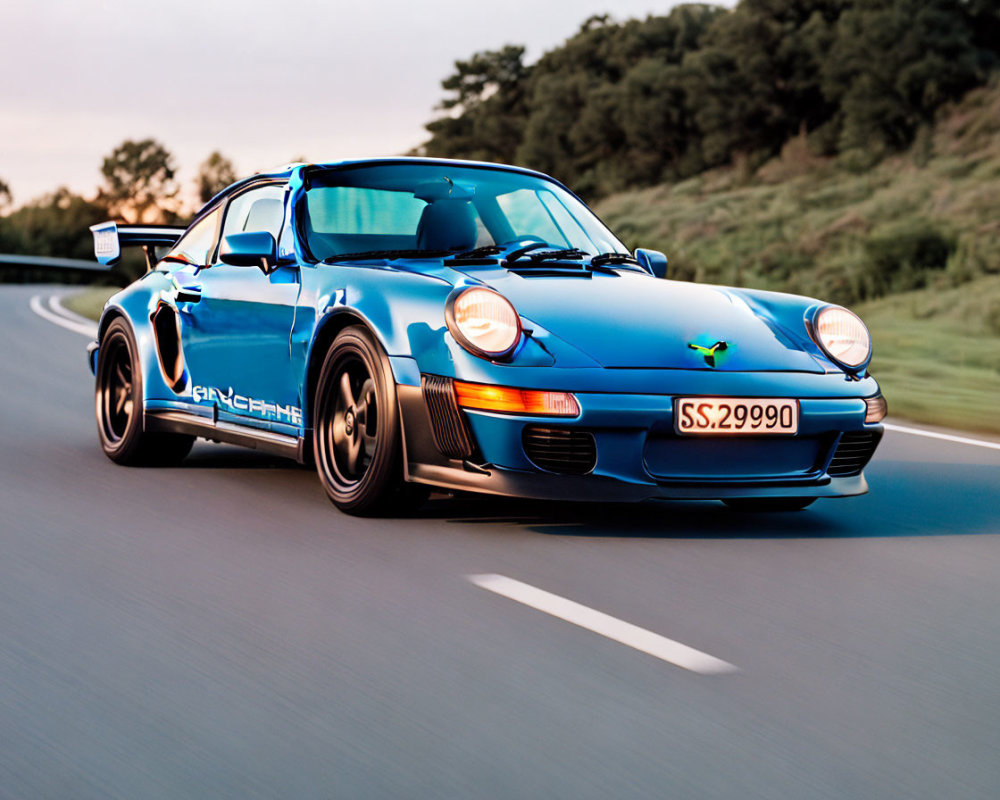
(769, 503)
(118, 406)
(357, 439)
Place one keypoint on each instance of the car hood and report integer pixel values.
(633, 320)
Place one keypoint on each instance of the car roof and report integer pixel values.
(285, 171)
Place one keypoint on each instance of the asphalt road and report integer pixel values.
(220, 630)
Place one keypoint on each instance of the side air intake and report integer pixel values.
(448, 428)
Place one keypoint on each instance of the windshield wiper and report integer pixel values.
(549, 255)
(615, 259)
(386, 254)
(481, 252)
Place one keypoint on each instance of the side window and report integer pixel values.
(260, 209)
(195, 245)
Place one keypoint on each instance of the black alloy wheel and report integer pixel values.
(116, 390)
(353, 425)
(357, 439)
(118, 406)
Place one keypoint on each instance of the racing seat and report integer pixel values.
(447, 224)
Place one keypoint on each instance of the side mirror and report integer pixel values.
(653, 261)
(251, 249)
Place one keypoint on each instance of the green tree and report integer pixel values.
(893, 63)
(6, 198)
(214, 174)
(597, 115)
(484, 107)
(661, 137)
(634, 103)
(756, 80)
(983, 20)
(139, 183)
(54, 225)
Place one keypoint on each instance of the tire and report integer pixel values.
(357, 439)
(769, 503)
(118, 406)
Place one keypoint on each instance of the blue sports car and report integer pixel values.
(419, 323)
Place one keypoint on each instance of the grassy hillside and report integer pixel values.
(90, 302)
(912, 244)
(820, 227)
(937, 354)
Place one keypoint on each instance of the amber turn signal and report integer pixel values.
(877, 408)
(515, 401)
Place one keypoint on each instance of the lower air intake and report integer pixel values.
(567, 451)
(853, 452)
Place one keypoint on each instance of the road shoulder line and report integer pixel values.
(889, 426)
(55, 303)
(83, 328)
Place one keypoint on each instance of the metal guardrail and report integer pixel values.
(17, 261)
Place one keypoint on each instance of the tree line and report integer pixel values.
(139, 184)
(634, 103)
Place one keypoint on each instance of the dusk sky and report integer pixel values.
(261, 81)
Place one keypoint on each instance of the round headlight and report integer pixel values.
(843, 336)
(484, 322)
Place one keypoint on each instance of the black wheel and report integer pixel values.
(118, 406)
(356, 433)
(769, 503)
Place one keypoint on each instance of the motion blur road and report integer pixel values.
(220, 630)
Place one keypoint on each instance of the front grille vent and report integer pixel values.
(567, 451)
(853, 452)
(451, 436)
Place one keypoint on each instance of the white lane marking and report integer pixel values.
(55, 303)
(626, 633)
(946, 436)
(85, 329)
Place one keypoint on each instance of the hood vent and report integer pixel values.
(549, 270)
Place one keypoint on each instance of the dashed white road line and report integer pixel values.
(62, 317)
(680, 655)
(945, 436)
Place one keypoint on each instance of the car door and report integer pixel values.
(235, 336)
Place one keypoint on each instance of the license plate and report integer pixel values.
(735, 415)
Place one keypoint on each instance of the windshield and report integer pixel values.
(442, 209)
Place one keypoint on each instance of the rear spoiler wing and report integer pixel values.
(110, 238)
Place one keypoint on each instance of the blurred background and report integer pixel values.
(842, 149)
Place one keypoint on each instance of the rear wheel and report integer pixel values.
(769, 503)
(357, 439)
(118, 406)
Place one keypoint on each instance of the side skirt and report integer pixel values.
(267, 442)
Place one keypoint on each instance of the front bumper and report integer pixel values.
(599, 488)
(640, 457)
